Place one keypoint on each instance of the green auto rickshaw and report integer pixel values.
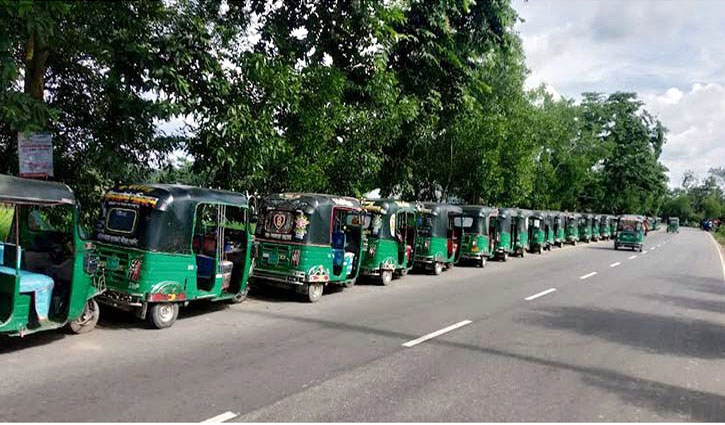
(604, 227)
(503, 227)
(49, 273)
(571, 224)
(585, 228)
(439, 238)
(613, 220)
(307, 241)
(166, 245)
(596, 236)
(673, 225)
(479, 233)
(557, 228)
(520, 232)
(630, 232)
(538, 231)
(389, 226)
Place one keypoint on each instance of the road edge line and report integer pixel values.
(719, 252)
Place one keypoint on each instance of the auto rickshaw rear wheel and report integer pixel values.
(88, 319)
(314, 292)
(482, 262)
(505, 257)
(437, 268)
(386, 276)
(162, 315)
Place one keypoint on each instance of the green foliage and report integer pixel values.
(424, 100)
(6, 221)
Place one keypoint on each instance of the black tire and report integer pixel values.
(482, 262)
(523, 252)
(386, 276)
(437, 268)
(162, 315)
(573, 243)
(616, 247)
(314, 292)
(402, 272)
(240, 296)
(505, 257)
(88, 319)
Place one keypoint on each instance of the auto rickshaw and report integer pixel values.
(595, 227)
(439, 239)
(558, 234)
(389, 226)
(166, 245)
(613, 220)
(538, 231)
(630, 232)
(479, 233)
(673, 225)
(520, 232)
(585, 228)
(504, 226)
(307, 241)
(571, 223)
(49, 274)
(604, 227)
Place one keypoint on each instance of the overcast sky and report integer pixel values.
(670, 52)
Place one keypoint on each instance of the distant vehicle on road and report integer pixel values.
(479, 233)
(630, 232)
(673, 225)
(49, 275)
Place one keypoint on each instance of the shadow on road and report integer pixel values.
(659, 397)
(708, 285)
(13, 344)
(649, 332)
(717, 306)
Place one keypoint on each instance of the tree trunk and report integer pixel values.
(36, 55)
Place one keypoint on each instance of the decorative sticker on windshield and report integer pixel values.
(301, 223)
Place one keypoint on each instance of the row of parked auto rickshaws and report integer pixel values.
(157, 247)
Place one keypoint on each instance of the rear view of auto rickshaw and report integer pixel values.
(673, 225)
(605, 227)
(520, 232)
(49, 274)
(439, 239)
(479, 233)
(503, 241)
(166, 245)
(596, 236)
(308, 241)
(389, 226)
(585, 228)
(538, 231)
(558, 226)
(571, 229)
(630, 232)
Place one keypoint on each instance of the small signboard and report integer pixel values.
(35, 154)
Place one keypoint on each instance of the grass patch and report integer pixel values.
(720, 235)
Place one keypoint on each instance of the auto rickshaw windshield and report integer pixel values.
(629, 226)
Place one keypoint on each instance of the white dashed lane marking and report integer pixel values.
(439, 332)
(220, 418)
(587, 276)
(540, 294)
(615, 264)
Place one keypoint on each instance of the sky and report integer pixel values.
(672, 53)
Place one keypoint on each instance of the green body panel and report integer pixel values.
(626, 238)
(161, 273)
(585, 232)
(560, 234)
(386, 256)
(481, 247)
(572, 233)
(275, 261)
(435, 250)
(604, 231)
(522, 242)
(539, 238)
(16, 307)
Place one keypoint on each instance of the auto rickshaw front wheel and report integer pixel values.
(162, 315)
(88, 319)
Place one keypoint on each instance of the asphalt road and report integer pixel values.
(643, 339)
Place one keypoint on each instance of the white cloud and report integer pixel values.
(669, 51)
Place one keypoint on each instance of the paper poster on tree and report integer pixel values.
(35, 154)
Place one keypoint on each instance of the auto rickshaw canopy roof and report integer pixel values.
(17, 190)
(386, 208)
(164, 214)
(317, 209)
(439, 214)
